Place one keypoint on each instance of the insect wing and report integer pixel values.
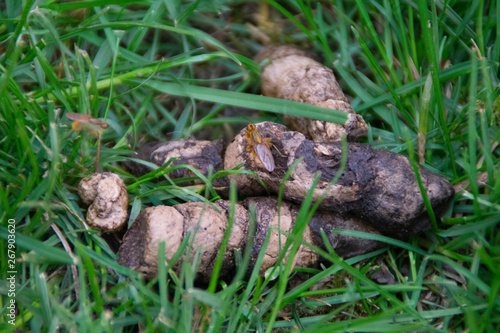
(81, 118)
(265, 155)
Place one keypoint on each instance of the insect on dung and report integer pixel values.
(85, 122)
(260, 147)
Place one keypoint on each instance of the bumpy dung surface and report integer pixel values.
(207, 224)
(377, 186)
(108, 198)
(294, 76)
(204, 156)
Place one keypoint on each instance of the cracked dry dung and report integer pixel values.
(377, 186)
(205, 222)
(172, 224)
(202, 155)
(294, 76)
(108, 198)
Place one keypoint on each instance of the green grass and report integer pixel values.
(424, 75)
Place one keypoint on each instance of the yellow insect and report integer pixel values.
(90, 124)
(260, 147)
(86, 122)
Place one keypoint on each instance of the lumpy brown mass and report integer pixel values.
(294, 76)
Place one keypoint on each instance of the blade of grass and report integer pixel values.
(251, 101)
(430, 39)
